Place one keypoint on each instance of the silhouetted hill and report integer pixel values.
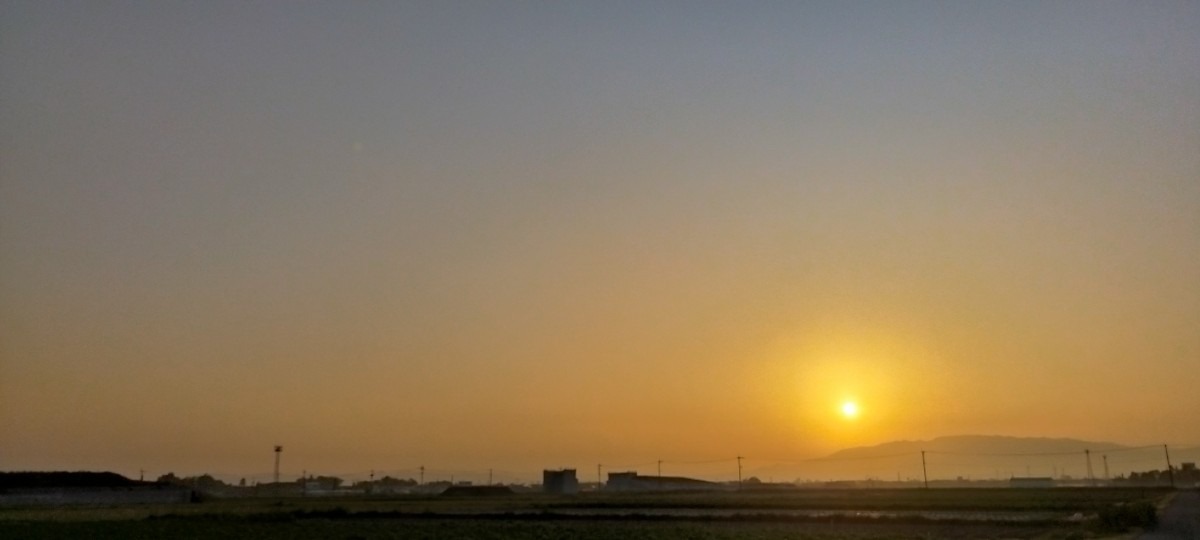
(979, 445)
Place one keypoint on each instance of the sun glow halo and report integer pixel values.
(850, 409)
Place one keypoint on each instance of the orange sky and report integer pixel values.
(520, 236)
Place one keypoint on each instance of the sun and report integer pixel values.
(850, 409)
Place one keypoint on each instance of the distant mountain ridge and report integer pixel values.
(995, 457)
(978, 445)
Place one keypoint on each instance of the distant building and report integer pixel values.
(632, 481)
(560, 482)
(1031, 482)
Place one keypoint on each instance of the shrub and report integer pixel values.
(1122, 517)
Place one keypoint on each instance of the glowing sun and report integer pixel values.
(850, 409)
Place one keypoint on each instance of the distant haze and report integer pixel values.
(515, 235)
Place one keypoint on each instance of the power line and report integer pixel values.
(855, 458)
(631, 467)
(1003, 454)
(1132, 448)
(700, 462)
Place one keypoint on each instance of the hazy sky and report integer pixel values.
(527, 234)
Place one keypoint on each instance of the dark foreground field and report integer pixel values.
(971, 513)
(508, 529)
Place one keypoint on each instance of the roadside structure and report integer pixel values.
(632, 481)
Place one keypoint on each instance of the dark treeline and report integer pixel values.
(78, 479)
(312, 483)
(1187, 475)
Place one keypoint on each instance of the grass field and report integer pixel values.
(959, 513)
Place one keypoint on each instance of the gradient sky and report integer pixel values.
(532, 234)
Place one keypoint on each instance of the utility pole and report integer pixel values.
(141, 475)
(422, 482)
(1106, 478)
(739, 459)
(1170, 472)
(660, 475)
(1091, 477)
(599, 483)
(278, 450)
(924, 470)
